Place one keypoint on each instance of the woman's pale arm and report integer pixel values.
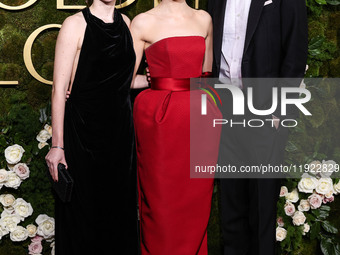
(208, 57)
(136, 28)
(65, 52)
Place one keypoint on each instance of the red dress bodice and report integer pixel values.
(176, 57)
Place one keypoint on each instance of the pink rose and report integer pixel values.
(37, 239)
(328, 199)
(283, 191)
(35, 248)
(289, 209)
(280, 222)
(22, 170)
(315, 200)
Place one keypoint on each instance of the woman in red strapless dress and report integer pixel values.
(174, 208)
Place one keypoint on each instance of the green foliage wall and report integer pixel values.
(317, 136)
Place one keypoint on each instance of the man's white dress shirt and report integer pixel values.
(234, 36)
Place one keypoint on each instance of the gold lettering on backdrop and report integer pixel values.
(28, 50)
(16, 8)
(61, 5)
(6, 83)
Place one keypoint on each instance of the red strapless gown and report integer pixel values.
(174, 209)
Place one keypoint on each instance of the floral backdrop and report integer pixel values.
(308, 209)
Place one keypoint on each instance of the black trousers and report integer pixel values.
(248, 205)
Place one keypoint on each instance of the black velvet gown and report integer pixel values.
(98, 139)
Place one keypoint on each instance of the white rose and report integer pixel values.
(330, 193)
(314, 167)
(48, 128)
(53, 248)
(22, 208)
(22, 170)
(283, 191)
(10, 166)
(307, 183)
(327, 168)
(32, 230)
(42, 145)
(9, 222)
(7, 211)
(325, 186)
(298, 218)
(3, 232)
(13, 181)
(45, 226)
(280, 222)
(293, 196)
(336, 188)
(19, 234)
(289, 209)
(315, 200)
(306, 228)
(7, 199)
(43, 136)
(3, 175)
(14, 153)
(281, 234)
(304, 205)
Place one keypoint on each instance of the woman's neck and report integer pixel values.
(103, 9)
(174, 6)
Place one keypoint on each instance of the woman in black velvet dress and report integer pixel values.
(93, 133)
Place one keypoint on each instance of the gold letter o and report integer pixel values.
(16, 8)
(28, 49)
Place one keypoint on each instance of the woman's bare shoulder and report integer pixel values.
(74, 22)
(203, 16)
(143, 20)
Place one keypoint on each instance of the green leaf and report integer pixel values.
(328, 247)
(291, 147)
(315, 230)
(323, 215)
(325, 208)
(314, 47)
(310, 217)
(314, 52)
(333, 2)
(329, 227)
(321, 1)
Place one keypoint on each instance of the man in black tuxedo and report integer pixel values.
(255, 39)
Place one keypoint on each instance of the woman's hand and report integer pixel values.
(68, 93)
(53, 158)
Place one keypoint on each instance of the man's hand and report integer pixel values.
(276, 122)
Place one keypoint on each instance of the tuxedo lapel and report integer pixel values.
(253, 19)
(219, 12)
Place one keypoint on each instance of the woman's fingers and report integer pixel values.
(53, 158)
(148, 78)
(55, 171)
(64, 162)
(68, 93)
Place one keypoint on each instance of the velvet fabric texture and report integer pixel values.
(98, 139)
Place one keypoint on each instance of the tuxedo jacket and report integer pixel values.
(276, 44)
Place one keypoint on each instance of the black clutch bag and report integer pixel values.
(63, 187)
